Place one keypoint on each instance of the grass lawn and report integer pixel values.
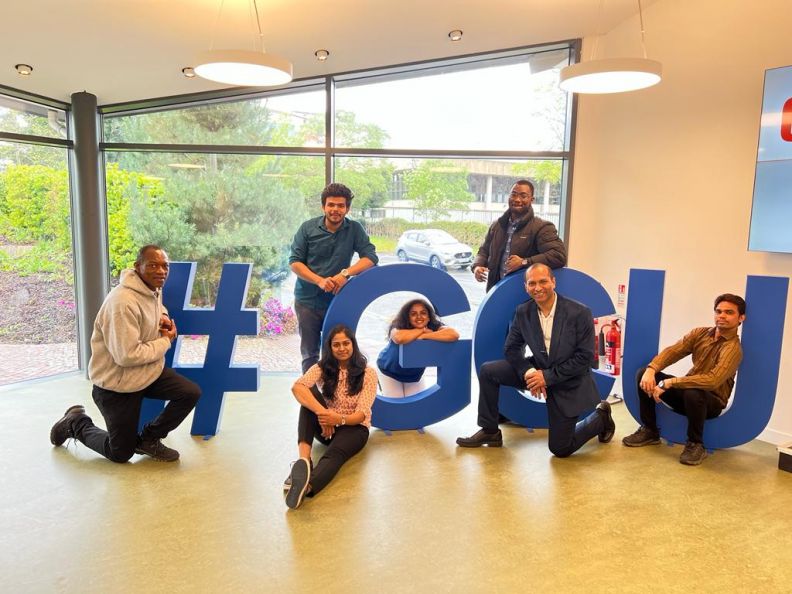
(384, 245)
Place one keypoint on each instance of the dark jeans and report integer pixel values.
(696, 405)
(309, 324)
(565, 435)
(121, 412)
(347, 441)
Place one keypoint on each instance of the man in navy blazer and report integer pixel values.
(560, 335)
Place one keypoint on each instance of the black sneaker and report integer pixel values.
(604, 408)
(693, 454)
(300, 475)
(62, 430)
(157, 450)
(481, 438)
(642, 437)
(288, 481)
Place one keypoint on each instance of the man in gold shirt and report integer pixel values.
(701, 394)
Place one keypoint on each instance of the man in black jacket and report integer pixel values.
(560, 335)
(518, 239)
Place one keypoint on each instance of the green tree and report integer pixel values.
(126, 192)
(238, 122)
(212, 208)
(544, 173)
(52, 125)
(369, 178)
(437, 187)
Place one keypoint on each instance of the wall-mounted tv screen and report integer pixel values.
(771, 215)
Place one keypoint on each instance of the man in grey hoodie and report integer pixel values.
(131, 335)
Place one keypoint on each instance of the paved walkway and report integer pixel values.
(21, 362)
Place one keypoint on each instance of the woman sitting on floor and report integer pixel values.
(416, 320)
(340, 417)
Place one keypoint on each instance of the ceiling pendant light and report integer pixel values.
(241, 67)
(612, 75)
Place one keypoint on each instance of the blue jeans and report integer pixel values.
(309, 324)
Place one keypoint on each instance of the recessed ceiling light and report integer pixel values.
(322, 54)
(24, 69)
(188, 72)
(455, 35)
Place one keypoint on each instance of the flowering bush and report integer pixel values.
(68, 304)
(277, 319)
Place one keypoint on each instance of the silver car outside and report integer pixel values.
(435, 247)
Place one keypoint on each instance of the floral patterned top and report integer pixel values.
(344, 403)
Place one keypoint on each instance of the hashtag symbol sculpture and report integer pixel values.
(222, 323)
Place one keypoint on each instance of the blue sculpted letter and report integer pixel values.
(757, 377)
(492, 325)
(222, 323)
(452, 392)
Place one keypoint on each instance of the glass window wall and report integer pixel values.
(38, 330)
(430, 151)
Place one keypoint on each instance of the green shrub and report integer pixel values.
(34, 205)
(44, 257)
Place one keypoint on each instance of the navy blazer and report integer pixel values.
(567, 369)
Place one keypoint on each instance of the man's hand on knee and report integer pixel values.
(647, 382)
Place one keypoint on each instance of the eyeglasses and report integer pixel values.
(522, 195)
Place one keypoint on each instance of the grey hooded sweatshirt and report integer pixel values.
(127, 351)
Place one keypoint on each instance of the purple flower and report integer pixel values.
(275, 316)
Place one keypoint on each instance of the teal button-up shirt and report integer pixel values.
(326, 253)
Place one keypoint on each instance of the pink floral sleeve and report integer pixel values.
(310, 377)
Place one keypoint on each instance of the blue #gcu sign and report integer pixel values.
(750, 411)
(756, 383)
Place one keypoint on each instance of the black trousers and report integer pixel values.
(696, 405)
(121, 412)
(565, 434)
(309, 324)
(347, 441)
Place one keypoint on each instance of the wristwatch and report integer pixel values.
(345, 273)
(525, 262)
(661, 384)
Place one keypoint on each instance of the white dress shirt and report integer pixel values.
(547, 323)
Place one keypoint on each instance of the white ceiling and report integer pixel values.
(123, 50)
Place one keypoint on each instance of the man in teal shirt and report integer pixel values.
(321, 254)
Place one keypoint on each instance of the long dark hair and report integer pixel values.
(402, 319)
(329, 364)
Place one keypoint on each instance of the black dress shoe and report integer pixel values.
(480, 438)
(604, 408)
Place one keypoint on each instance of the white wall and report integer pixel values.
(664, 177)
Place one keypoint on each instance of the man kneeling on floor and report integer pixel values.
(701, 394)
(560, 335)
(131, 335)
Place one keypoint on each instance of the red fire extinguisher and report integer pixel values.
(613, 348)
(596, 363)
